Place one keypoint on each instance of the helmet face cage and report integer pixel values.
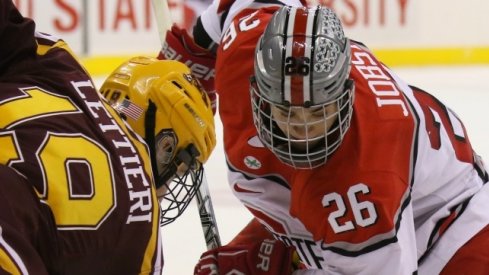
(180, 192)
(284, 145)
(311, 72)
(180, 186)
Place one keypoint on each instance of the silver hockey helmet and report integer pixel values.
(301, 94)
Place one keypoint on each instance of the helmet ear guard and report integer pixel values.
(163, 103)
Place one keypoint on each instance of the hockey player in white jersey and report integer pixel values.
(340, 161)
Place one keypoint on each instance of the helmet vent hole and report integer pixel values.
(177, 84)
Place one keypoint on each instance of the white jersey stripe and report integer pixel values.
(458, 129)
(13, 254)
(288, 52)
(307, 54)
(46, 36)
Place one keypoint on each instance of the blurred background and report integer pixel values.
(440, 46)
(401, 32)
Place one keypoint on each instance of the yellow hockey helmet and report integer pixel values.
(167, 106)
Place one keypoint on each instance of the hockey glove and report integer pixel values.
(265, 257)
(180, 46)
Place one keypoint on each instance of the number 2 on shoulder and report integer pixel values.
(245, 24)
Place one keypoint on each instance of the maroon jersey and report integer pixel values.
(76, 188)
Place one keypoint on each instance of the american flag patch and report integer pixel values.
(129, 109)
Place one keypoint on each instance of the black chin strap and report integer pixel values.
(149, 127)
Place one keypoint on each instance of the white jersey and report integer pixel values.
(219, 15)
(401, 194)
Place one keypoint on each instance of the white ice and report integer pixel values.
(464, 89)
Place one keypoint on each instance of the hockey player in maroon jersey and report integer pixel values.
(335, 156)
(77, 190)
